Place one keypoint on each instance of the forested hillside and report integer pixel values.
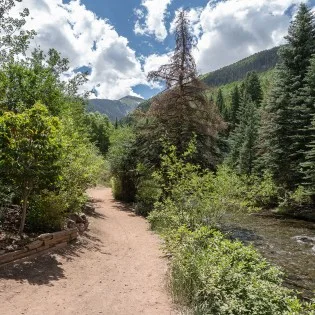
(259, 62)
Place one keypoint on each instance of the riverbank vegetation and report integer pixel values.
(191, 158)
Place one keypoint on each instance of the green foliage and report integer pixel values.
(29, 151)
(209, 273)
(213, 275)
(235, 105)
(262, 190)
(148, 191)
(123, 162)
(81, 165)
(38, 78)
(194, 197)
(100, 129)
(47, 212)
(290, 200)
(308, 165)
(252, 88)
(221, 104)
(30, 81)
(13, 40)
(243, 140)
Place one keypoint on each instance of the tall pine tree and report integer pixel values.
(243, 140)
(184, 108)
(235, 105)
(309, 164)
(252, 88)
(308, 96)
(284, 117)
(221, 105)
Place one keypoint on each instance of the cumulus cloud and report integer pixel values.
(87, 41)
(151, 19)
(234, 29)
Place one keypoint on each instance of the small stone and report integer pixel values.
(81, 227)
(70, 224)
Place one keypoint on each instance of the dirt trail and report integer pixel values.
(117, 268)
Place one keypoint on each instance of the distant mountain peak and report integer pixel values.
(114, 109)
(132, 98)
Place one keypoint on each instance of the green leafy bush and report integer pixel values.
(116, 188)
(82, 165)
(47, 212)
(100, 128)
(122, 161)
(213, 275)
(195, 197)
(262, 190)
(290, 200)
(148, 191)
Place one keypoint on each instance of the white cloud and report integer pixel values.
(74, 31)
(153, 63)
(154, 20)
(234, 29)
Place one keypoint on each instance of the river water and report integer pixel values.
(287, 243)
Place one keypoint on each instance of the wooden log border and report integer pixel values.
(41, 245)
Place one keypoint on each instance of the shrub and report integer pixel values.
(122, 161)
(194, 197)
(148, 193)
(213, 275)
(263, 190)
(116, 188)
(290, 200)
(209, 273)
(47, 212)
(82, 166)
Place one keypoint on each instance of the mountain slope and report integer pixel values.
(114, 108)
(259, 62)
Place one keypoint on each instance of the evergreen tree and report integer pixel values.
(243, 140)
(309, 164)
(308, 96)
(252, 88)
(248, 149)
(184, 108)
(116, 123)
(235, 105)
(284, 117)
(221, 104)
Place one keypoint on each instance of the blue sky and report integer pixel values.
(120, 41)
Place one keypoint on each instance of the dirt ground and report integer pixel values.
(116, 268)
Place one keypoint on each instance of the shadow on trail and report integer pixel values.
(46, 269)
(125, 207)
(97, 215)
(39, 271)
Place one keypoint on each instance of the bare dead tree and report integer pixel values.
(184, 109)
